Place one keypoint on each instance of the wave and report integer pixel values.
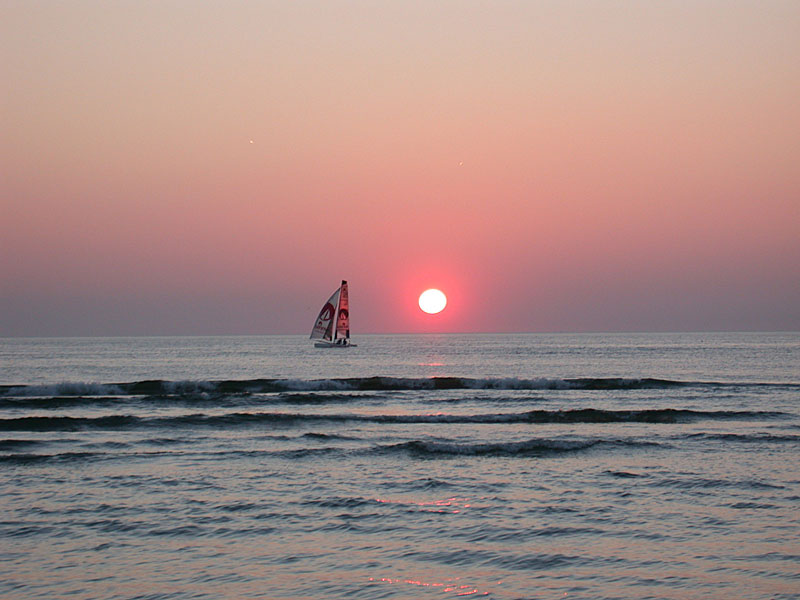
(585, 415)
(39, 458)
(704, 483)
(13, 444)
(745, 438)
(532, 447)
(13, 395)
(52, 403)
(256, 386)
(424, 448)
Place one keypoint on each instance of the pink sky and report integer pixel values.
(212, 168)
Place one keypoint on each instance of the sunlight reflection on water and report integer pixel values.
(450, 585)
(451, 505)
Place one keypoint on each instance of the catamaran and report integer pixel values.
(326, 334)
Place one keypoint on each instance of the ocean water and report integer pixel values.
(433, 466)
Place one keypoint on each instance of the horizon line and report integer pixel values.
(405, 333)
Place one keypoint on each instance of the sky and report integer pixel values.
(204, 168)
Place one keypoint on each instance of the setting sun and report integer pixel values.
(432, 301)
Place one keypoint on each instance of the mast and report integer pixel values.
(336, 315)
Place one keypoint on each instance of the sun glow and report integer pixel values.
(432, 301)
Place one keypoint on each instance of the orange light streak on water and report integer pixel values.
(450, 586)
(440, 505)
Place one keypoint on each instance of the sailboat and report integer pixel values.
(332, 327)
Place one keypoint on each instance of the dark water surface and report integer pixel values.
(501, 466)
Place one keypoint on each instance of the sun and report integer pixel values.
(432, 301)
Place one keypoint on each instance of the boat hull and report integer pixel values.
(329, 345)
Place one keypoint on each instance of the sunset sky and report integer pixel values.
(184, 167)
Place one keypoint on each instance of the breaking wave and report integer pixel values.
(264, 386)
(349, 384)
(585, 415)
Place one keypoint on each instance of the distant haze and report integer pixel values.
(181, 167)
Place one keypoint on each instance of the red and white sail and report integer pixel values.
(343, 319)
(323, 327)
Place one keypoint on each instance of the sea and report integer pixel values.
(525, 466)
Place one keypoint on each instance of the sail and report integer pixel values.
(343, 320)
(323, 327)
